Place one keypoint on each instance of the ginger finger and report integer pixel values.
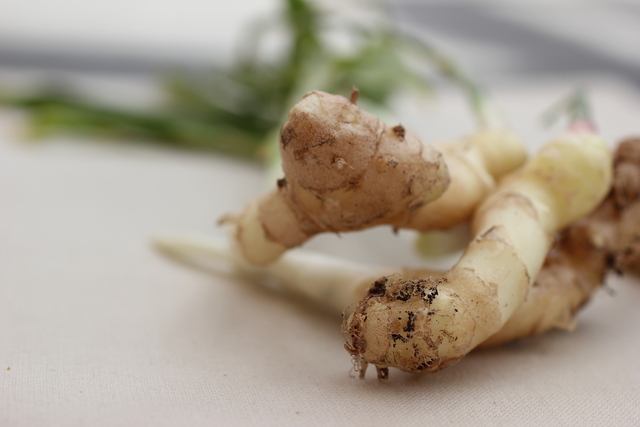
(475, 163)
(345, 171)
(425, 325)
(627, 198)
(327, 281)
(583, 254)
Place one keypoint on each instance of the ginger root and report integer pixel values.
(512, 281)
(345, 170)
(582, 254)
(424, 325)
(627, 201)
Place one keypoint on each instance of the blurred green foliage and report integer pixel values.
(235, 110)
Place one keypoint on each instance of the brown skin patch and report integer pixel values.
(286, 135)
(300, 154)
(353, 98)
(626, 193)
(400, 131)
(383, 372)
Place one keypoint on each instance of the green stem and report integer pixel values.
(576, 107)
(51, 112)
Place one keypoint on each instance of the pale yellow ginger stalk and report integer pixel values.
(475, 163)
(330, 282)
(583, 254)
(573, 270)
(428, 324)
(345, 171)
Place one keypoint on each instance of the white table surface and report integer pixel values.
(98, 330)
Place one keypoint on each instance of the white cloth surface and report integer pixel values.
(98, 330)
